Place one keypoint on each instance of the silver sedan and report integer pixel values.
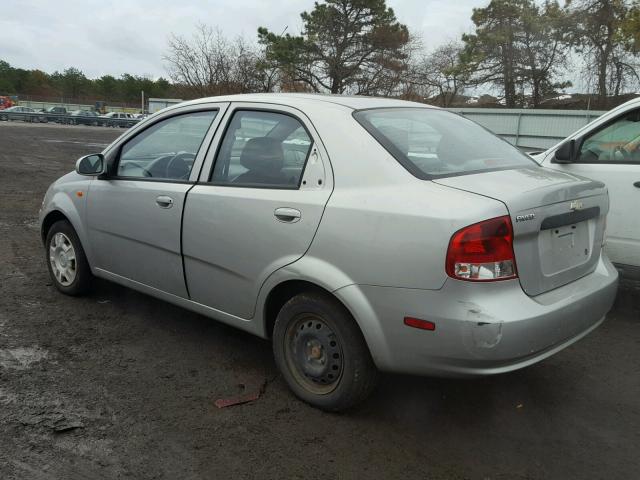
(358, 234)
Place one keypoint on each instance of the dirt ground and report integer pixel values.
(121, 385)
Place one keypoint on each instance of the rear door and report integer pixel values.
(611, 154)
(134, 215)
(257, 206)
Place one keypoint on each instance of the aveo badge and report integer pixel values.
(524, 218)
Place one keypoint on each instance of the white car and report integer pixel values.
(118, 119)
(608, 149)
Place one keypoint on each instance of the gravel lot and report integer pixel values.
(120, 385)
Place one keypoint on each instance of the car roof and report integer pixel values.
(301, 100)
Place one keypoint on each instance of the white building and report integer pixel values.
(156, 104)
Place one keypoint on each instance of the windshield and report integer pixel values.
(435, 143)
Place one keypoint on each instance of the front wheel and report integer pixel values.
(67, 262)
(321, 353)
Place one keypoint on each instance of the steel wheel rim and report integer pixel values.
(314, 354)
(62, 257)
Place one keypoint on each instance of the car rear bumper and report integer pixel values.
(481, 328)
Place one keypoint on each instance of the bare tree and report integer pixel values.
(442, 73)
(210, 64)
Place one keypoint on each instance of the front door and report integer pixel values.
(256, 210)
(611, 154)
(134, 215)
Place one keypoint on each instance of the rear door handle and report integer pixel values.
(637, 184)
(164, 202)
(287, 215)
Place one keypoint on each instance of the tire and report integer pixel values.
(322, 354)
(60, 235)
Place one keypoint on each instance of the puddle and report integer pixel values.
(21, 358)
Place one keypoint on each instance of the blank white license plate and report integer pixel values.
(564, 247)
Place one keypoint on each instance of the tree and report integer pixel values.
(209, 64)
(442, 72)
(518, 47)
(491, 50)
(6, 80)
(631, 30)
(71, 82)
(544, 44)
(107, 87)
(37, 82)
(346, 46)
(603, 33)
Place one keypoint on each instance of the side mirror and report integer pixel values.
(90, 165)
(566, 153)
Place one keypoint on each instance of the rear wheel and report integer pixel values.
(66, 260)
(321, 353)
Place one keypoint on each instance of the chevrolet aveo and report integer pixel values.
(358, 234)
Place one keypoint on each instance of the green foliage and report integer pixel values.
(72, 84)
(605, 33)
(345, 46)
(631, 29)
(518, 47)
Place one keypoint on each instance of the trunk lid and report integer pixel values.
(558, 221)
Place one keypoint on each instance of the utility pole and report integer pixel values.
(142, 102)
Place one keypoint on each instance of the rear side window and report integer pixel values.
(434, 143)
(262, 149)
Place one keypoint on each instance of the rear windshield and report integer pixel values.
(434, 143)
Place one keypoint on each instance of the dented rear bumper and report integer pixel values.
(481, 328)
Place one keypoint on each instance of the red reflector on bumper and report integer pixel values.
(421, 324)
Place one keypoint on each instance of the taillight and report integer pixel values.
(482, 252)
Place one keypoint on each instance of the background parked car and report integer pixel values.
(54, 114)
(608, 149)
(118, 119)
(25, 114)
(83, 117)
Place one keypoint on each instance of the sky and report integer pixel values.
(130, 36)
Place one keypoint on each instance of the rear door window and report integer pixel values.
(262, 149)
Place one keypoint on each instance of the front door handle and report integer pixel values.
(637, 184)
(164, 202)
(287, 215)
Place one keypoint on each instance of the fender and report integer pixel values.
(331, 278)
(64, 197)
